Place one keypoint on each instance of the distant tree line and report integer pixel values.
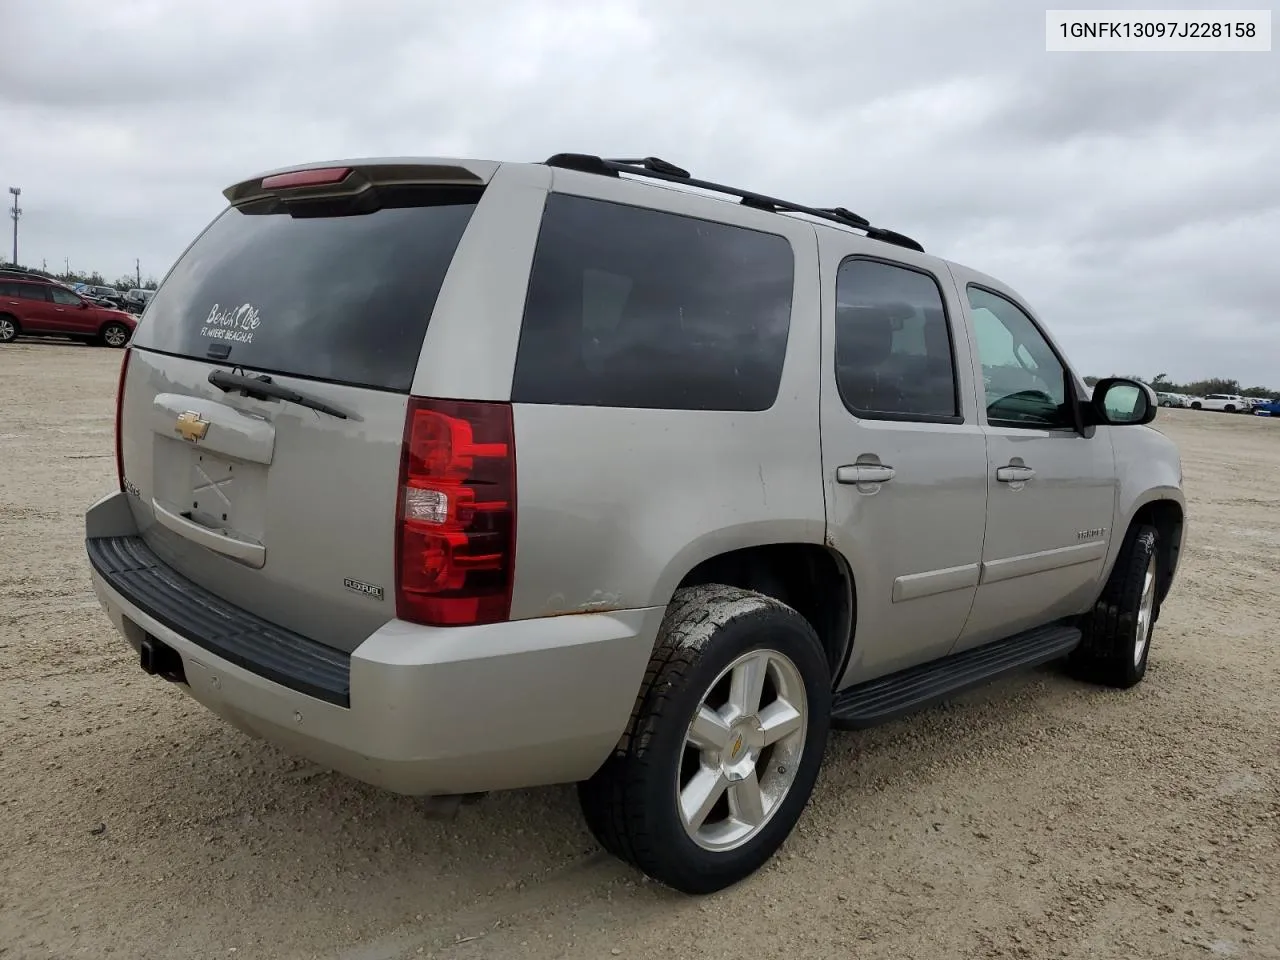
(1197, 388)
(126, 282)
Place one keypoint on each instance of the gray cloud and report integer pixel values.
(1132, 198)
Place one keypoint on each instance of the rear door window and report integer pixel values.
(24, 291)
(343, 297)
(894, 359)
(632, 307)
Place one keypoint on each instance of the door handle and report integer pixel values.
(1014, 474)
(250, 554)
(855, 473)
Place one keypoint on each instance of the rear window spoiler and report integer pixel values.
(354, 177)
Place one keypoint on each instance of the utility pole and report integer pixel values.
(137, 267)
(66, 262)
(16, 212)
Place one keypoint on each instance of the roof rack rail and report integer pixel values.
(659, 169)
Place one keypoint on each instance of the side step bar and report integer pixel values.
(888, 698)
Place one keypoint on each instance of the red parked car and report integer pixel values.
(41, 308)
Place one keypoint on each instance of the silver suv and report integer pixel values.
(459, 476)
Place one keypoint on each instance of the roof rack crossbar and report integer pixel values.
(658, 169)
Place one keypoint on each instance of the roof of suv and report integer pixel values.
(659, 173)
(646, 173)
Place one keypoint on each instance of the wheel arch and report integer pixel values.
(809, 577)
(1166, 511)
(1169, 518)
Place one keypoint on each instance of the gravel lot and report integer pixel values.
(1036, 818)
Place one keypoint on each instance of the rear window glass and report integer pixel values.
(339, 298)
(629, 307)
(27, 291)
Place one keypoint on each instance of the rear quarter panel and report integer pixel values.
(616, 505)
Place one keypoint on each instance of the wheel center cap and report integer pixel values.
(742, 749)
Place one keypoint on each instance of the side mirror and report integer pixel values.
(1119, 402)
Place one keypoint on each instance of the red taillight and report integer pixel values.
(456, 513)
(124, 370)
(306, 178)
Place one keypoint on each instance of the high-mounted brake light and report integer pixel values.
(306, 178)
(455, 556)
(124, 371)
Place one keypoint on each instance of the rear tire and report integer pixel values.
(1117, 633)
(724, 743)
(9, 328)
(114, 335)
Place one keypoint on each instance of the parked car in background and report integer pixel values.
(102, 295)
(136, 300)
(44, 308)
(1267, 408)
(1224, 402)
(18, 273)
(1172, 400)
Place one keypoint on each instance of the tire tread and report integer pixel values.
(612, 800)
(1106, 649)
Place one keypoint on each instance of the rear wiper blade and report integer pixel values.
(262, 387)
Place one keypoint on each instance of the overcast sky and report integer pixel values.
(1134, 199)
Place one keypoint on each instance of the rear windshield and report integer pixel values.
(344, 298)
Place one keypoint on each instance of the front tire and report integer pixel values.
(115, 335)
(8, 328)
(1117, 633)
(724, 743)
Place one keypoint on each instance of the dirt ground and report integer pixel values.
(1036, 818)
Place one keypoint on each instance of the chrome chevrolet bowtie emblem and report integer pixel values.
(191, 426)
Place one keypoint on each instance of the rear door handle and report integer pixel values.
(855, 473)
(250, 554)
(1014, 474)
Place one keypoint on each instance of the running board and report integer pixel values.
(888, 698)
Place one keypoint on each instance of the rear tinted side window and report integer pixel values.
(23, 291)
(343, 297)
(629, 307)
(894, 358)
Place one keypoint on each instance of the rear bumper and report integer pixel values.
(415, 710)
